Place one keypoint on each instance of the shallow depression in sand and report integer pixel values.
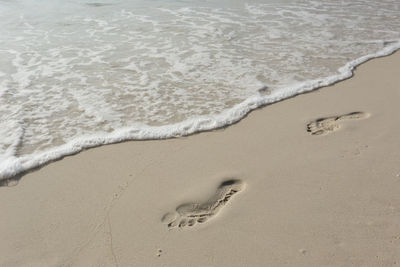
(190, 214)
(323, 126)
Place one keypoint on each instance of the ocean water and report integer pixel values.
(76, 74)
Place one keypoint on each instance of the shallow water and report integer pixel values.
(76, 74)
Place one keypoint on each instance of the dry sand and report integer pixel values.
(280, 188)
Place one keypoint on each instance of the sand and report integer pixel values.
(310, 181)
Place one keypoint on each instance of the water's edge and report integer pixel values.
(16, 166)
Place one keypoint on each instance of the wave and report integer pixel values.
(12, 165)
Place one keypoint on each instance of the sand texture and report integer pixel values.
(310, 181)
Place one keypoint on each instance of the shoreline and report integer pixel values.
(273, 193)
(18, 167)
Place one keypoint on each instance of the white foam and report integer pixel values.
(12, 166)
(84, 75)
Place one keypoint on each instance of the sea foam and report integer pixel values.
(101, 73)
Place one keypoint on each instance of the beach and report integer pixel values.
(313, 180)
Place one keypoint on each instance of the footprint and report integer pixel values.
(327, 125)
(10, 182)
(187, 215)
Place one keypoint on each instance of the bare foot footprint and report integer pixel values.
(327, 125)
(193, 213)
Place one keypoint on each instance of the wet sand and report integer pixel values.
(310, 181)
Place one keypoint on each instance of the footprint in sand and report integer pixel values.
(327, 125)
(193, 213)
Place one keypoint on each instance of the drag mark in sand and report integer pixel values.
(327, 125)
(191, 213)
